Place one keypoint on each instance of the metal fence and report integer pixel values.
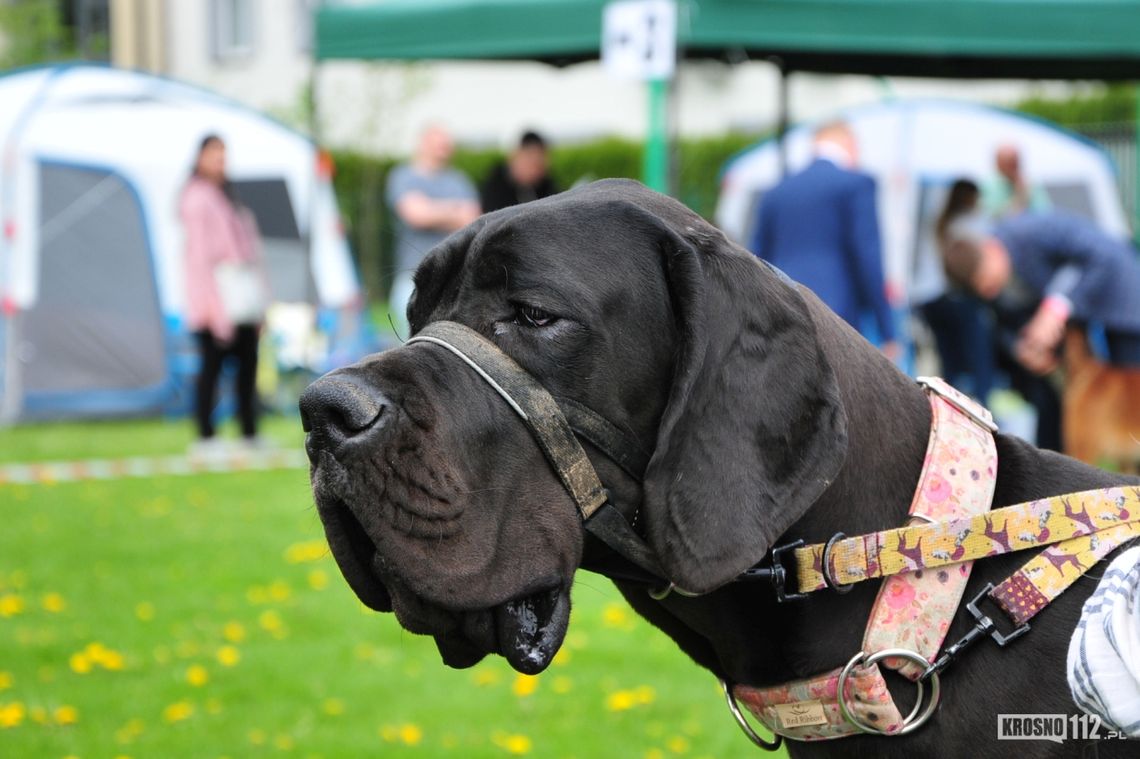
(1120, 141)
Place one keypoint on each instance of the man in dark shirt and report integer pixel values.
(522, 177)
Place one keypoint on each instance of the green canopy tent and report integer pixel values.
(1031, 39)
(1024, 39)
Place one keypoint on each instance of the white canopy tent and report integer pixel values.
(915, 149)
(91, 277)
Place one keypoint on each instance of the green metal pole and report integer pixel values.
(1136, 169)
(655, 159)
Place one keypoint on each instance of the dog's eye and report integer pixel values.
(529, 316)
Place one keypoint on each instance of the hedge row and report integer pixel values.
(360, 180)
(1114, 104)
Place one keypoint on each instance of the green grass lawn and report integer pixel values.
(204, 617)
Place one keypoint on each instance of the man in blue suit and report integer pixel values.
(1053, 267)
(821, 228)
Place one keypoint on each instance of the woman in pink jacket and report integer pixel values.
(225, 287)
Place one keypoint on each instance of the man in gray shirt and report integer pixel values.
(430, 200)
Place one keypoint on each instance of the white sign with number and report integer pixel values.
(639, 39)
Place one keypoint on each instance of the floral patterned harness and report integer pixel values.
(927, 565)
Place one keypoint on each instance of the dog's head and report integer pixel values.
(436, 500)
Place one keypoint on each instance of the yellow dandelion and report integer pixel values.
(65, 715)
(234, 631)
(270, 620)
(112, 660)
(517, 744)
(11, 715)
(6, 680)
(178, 711)
(562, 685)
(80, 664)
(312, 550)
(486, 676)
(128, 732)
(654, 753)
(621, 700)
(197, 675)
(678, 744)
(333, 707)
(144, 611)
(617, 616)
(644, 694)
(257, 737)
(53, 603)
(562, 658)
(318, 579)
(11, 605)
(411, 734)
(228, 656)
(284, 742)
(524, 685)
(279, 590)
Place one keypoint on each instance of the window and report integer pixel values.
(232, 28)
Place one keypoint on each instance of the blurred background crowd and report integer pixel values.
(205, 205)
(417, 132)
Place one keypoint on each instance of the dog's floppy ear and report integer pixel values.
(437, 277)
(754, 430)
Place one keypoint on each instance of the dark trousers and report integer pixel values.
(1123, 348)
(964, 338)
(213, 352)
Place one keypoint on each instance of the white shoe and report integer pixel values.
(209, 448)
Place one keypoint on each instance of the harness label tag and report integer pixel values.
(801, 714)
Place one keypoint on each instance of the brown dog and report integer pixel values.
(1101, 406)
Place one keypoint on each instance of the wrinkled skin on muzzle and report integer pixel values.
(433, 495)
(438, 502)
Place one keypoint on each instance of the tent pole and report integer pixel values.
(655, 159)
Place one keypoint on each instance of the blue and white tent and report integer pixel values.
(92, 161)
(915, 149)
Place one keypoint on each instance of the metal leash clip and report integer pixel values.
(984, 626)
(777, 574)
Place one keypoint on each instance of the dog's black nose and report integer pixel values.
(336, 408)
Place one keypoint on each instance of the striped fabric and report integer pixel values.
(1104, 652)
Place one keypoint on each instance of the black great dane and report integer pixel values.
(762, 418)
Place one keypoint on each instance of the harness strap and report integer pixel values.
(1048, 574)
(913, 610)
(530, 401)
(928, 546)
(621, 448)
